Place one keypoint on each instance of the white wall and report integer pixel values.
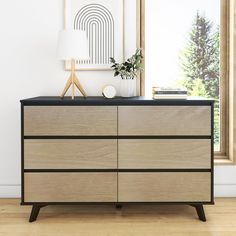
(29, 68)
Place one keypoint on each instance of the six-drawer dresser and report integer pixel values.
(136, 150)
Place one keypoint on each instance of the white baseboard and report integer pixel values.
(221, 190)
(10, 191)
(225, 190)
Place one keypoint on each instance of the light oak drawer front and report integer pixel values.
(70, 187)
(70, 120)
(164, 120)
(164, 153)
(164, 187)
(70, 154)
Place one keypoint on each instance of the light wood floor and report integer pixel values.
(132, 220)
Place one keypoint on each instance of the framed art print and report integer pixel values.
(103, 22)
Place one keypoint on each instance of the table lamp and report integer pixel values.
(72, 46)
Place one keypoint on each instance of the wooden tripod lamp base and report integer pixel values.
(73, 82)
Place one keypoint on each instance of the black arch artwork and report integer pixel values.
(98, 23)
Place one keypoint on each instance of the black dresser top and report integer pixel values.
(118, 101)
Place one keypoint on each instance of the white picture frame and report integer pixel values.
(103, 21)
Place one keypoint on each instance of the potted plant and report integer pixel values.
(128, 72)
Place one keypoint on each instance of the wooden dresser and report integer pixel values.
(117, 151)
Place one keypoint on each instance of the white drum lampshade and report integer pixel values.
(72, 44)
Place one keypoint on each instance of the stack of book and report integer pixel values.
(169, 93)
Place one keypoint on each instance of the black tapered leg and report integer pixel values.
(118, 206)
(34, 212)
(200, 212)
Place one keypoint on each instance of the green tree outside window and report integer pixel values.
(200, 64)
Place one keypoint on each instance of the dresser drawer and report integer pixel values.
(70, 120)
(164, 120)
(164, 187)
(70, 154)
(70, 187)
(164, 153)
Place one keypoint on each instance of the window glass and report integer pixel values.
(183, 48)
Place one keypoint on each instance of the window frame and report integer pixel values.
(224, 79)
(227, 73)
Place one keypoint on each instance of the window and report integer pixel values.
(186, 45)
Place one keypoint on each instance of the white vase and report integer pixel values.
(128, 87)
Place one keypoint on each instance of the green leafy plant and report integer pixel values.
(130, 68)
